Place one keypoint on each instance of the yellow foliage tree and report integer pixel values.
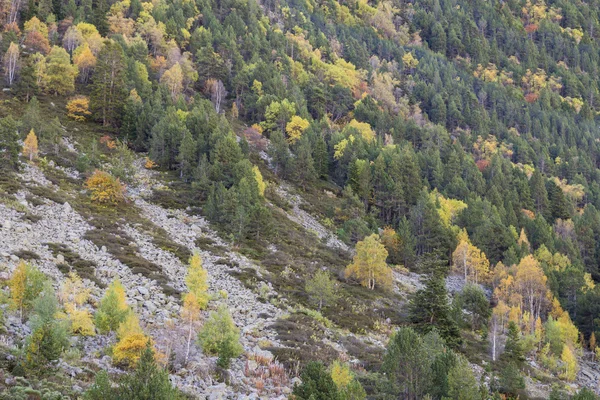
(85, 60)
(409, 61)
(530, 284)
(190, 313)
(369, 264)
(73, 295)
(340, 374)
(196, 280)
(570, 366)
(25, 284)
(363, 128)
(132, 341)
(295, 128)
(105, 188)
(471, 261)
(30, 146)
(173, 80)
(78, 108)
(129, 349)
(259, 180)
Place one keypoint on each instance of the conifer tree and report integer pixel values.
(429, 308)
(109, 90)
(9, 142)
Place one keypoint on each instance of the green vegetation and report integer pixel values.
(440, 137)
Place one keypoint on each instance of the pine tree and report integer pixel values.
(513, 350)
(9, 142)
(303, 164)
(406, 366)
(109, 89)
(316, 384)
(429, 308)
(48, 337)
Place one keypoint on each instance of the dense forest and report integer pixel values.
(452, 139)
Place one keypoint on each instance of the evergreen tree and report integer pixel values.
(108, 87)
(429, 308)
(9, 143)
(316, 384)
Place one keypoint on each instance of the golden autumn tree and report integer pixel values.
(173, 80)
(196, 280)
(197, 297)
(73, 295)
(471, 262)
(25, 284)
(570, 366)
(363, 128)
(190, 314)
(105, 188)
(30, 146)
(85, 61)
(530, 284)
(132, 341)
(369, 264)
(78, 108)
(259, 180)
(295, 128)
(11, 63)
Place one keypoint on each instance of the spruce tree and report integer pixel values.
(429, 308)
(108, 87)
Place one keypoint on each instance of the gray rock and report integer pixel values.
(217, 392)
(143, 291)
(67, 208)
(60, 259)
(150, 306)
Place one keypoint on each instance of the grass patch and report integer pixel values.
(73, 262)
(26, 255)
(301, 337)
(47, 193)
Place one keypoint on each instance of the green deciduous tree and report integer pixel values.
(321, 289)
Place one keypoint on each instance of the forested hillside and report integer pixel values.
(304, 199)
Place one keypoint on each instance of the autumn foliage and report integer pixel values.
(105, 188)
(78, 108)
(30, 146)
(369, 264)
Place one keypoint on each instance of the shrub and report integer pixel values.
(105, 188)
(219, 335)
